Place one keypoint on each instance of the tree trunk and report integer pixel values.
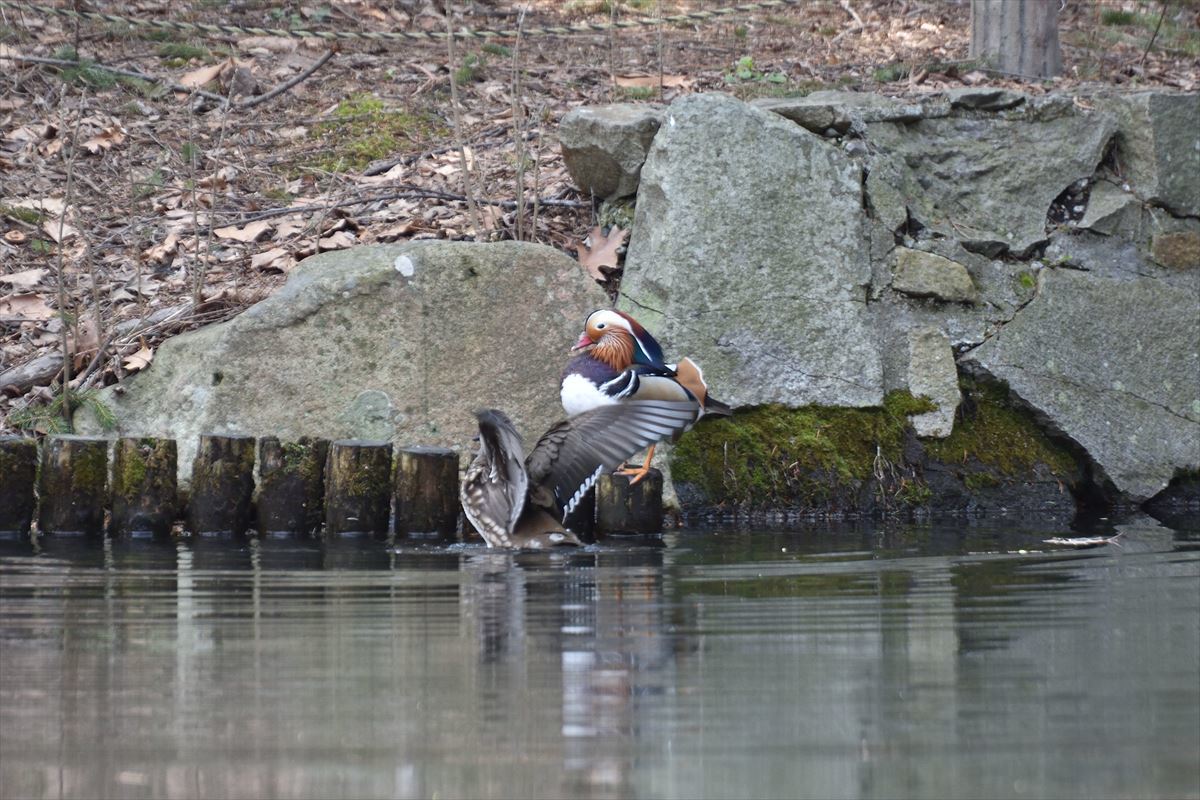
(1017, 36)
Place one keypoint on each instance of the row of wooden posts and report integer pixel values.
(345, 487)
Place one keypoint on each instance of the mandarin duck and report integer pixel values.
(514, 501)
(620, 363)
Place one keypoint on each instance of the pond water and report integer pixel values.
(910, 660)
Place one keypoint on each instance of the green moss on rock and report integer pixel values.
(990, 430)
(835, 459)
(777, 456)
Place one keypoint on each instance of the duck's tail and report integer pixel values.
(691, 377)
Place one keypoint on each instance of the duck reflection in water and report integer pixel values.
(600, 629)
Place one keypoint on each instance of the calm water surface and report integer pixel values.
(925, 661)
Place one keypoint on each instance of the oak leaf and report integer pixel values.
(139, 360)
(599, 254)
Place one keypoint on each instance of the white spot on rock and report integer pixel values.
(405, 266)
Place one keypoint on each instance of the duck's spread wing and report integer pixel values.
(494, 489)
(569, 457)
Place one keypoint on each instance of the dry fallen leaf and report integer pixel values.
(275, 259)
(338, 241)
(139, 360)
(198, 77)
(599, 252)
(651, 81)
(164, 252)
(105, 140)
(24, 307)
(25, 279)
(249, 233)
(59, 230)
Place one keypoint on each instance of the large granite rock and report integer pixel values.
(1159, 139)
(604, 146)
(840, 112)
(1111, 361)
(986, 180)
(398, 342)
(749, 254)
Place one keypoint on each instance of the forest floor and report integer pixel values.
(138, 204)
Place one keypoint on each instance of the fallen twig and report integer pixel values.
(288, 84)
(410, 194)
(1154, 35)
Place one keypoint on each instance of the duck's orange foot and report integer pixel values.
(637, 473)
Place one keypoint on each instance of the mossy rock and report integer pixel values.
(815, 457)
(868, 461)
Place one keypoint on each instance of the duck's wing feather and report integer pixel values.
(570, 456)
(496, 484)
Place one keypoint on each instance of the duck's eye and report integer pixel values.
(599, 326)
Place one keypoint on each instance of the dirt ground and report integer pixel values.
(139, 204)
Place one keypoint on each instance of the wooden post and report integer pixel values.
(291, 485)
(582, 520)
(621, 508)
(427, 491)
(18, 472)
(358, 487)
(71, 485)
(1017, 36)
(145, 492)
(222, 485)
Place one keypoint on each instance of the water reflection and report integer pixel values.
(834, 662)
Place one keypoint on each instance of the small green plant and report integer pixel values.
(891, 73)
(362, 130)
(744, 71)
(286, 18)
(497, 50)
(181, 51)
(150, 185)
(741, 32)
(471, 69)
(30, 216)
(48, 417)
(639, 92)
(146, 89)
(189, 153)
(41, 247)
(84, 72)
(1116, 16)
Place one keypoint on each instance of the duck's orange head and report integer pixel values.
(617, 339)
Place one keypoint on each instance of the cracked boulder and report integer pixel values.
(1159, 141)
(987, 180)
(749, 254)
(1111, 360)
(604, 146)
(400, 342)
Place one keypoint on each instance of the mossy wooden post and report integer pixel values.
(426, 491)
(291, 485)
(222, 485)
(144, 494)
(621, 508)
(358, 487)
(18, 472)
(71, 485)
